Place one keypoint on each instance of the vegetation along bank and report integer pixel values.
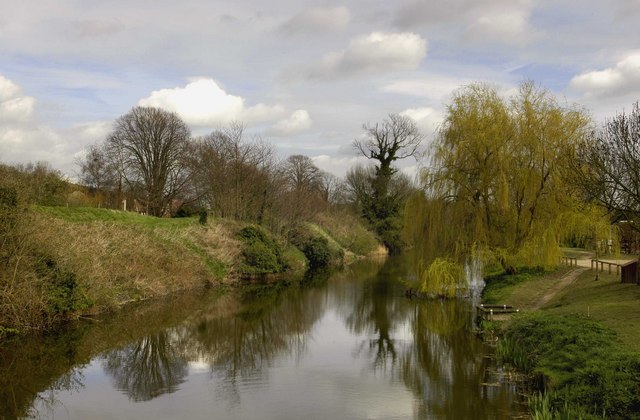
(62, 262)
(578, 346)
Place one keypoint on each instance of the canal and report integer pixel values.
(340, 345)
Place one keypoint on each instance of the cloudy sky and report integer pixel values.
(304, 75)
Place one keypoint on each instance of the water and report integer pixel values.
(344, 346)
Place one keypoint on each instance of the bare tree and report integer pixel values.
(96, 171)
(302, 196)
(234, 177)
(301, 173)
(607, 167)
(151, 146)
(397, 137)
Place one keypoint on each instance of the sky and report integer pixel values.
(302, 75)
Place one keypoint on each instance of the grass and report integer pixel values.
(530, 288)
(81, 260)
(606, 300)
(584, 341)
(91, 214)
(519, 290)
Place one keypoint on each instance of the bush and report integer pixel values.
(318, 247)
(262, 254)
(317, 252)
(62, 289)
(348, 231)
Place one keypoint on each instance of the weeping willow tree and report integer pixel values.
(496, 185)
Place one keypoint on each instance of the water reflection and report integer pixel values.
(269, 343)
(375, 308)
(437, 360)
(150, 367)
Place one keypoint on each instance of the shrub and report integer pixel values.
(317, 252)
(318, 247)
(202, 216)
(62, 290)
(262, 254)
(348, 231)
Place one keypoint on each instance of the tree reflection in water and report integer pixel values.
(269, 325)
(150, 367)
(374, 308)
(271, 322)
(421, 346)
(437, 360)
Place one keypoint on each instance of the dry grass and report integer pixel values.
(347, 230)
(116, 263)
(92, 260)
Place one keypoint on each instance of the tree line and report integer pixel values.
(151, 159)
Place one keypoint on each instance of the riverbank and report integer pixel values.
(70, 262)
(577, 339)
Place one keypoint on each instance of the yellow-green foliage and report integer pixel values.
(497, 181)
(443, 278)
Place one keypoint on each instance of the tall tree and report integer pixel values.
(303, 195)
(234, 177)
(151, 146)
(498, 177)
(607, 168)
(396, 138)
(96, 171)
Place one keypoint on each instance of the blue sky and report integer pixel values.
(303, 75)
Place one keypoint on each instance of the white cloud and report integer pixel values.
(8, 89)
(427, 119)
(298, 121)
(204, 103)
(14, 107)
(502, 22)
(17, 109)
(24, 139)
(338, 165)
(317, 20)
(505, 27)
(614, 81)
(377, 52)
(437, 88)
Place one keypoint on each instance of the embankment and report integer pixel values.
(580, 348)
(58, 263)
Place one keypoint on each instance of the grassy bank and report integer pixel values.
(579, 343)
(59, 263)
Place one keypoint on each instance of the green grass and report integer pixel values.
(583, 344)
(607, 300)
(581, 361)
(92, 214)
(217, 268)
(500, 287)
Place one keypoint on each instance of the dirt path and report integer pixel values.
(557, 287)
